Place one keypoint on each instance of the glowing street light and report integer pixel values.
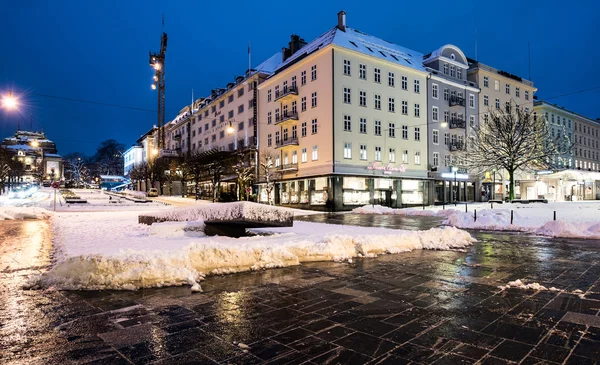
(157, 66)
(155, 152)
(35, 144)
(153, 86)
(230, 129)
(9, 102)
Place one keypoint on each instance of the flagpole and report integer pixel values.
(249, 58)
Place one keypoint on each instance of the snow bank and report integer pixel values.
(576, 220)
(134, 193)
(114, 252)
(227, 211)
(11, 213)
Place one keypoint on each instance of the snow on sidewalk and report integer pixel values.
(111, 251)
(574, 219)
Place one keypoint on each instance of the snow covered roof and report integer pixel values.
(20, 147)
(270, 65)
(52, 155)
(358, 41)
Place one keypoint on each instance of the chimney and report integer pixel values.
(342, 21)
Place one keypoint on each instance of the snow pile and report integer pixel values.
(178, 229)
(134, 193)
(379, 209)
(118, 253)
(11, 213)
(520, 285)
(575, 220)
(227, 211)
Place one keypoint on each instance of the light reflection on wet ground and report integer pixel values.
(422, 307)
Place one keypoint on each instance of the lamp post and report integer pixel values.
(9, 101)
(494, 186)
(454, 170)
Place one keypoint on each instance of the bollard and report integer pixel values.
(555, 215)
(423, 206)
(444, 206)
(492, 205)
(475, 216)
(511, 217)
(466, 208)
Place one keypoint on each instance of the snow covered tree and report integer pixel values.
(75, 167)
(195, 167)
(269, 173)
(5, 166)
(513, 139)
(244, 171)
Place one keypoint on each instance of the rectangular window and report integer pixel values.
(497, 103)
(276, 137)
(241, 107)
(303, 77)
(314, 100)
(363, 152)
(347, 150)
(293, 82)
(230, 114)
(315, 153)
(471, 101)
(486, 81)
(240, 126)
(496, 85)
(285, 134)
(446, 94)
(508, 89)
(303, 156)
(392, 155)
(294, 157)
(314, 126)
(377, 75)
(404, 132)
(472, 121)
(445, 68)
(362, 98)
(452, 71)
(517, 92)
(363, 125)
(446, 116)
(347, 95)
(486, 100)
(392, 130)
(417, 158)
(303, 104)
(404, 107)
(435, 114)
(347, 67)
(417, 87)
(294, 109)
(417, 110)
(404, 83)
(240, 92)
(459, 72)
(303, 131)
(221, 134)
(268, 95)
(347, 123)
(362, 71)
(446, 160)
(435, 137)
(391, 79)
(446, 138)
(313, 72)
(378, 128)
(434, 91)
(417, 133)
(294, 132)
(391, 105)
(436, 159)
(377, 101)
(405, 156)
(377, 153)
(526, 95)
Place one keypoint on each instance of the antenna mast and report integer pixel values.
(157, 61)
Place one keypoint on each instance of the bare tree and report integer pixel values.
(244, 171)
(5, 166)
(514, 139)
(75, 166)
(195, 167)
(269, 172)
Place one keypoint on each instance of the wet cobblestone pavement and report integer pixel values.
(423, 307)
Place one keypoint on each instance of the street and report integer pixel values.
(422, 307)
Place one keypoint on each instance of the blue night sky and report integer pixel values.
(98, 51)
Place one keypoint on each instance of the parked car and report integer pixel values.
(152, 192)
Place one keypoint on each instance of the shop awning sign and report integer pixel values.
(451, 175)
(386, 168)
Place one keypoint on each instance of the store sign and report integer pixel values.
(386, 168)
(450, 175)
(169, 153)
(545, 172)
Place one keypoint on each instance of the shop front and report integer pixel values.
(450, 187)
(566, 185)
(346, 192)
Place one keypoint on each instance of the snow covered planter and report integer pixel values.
(226, 219)
(119, 254)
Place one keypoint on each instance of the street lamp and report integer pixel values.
(9, 101)
(454, 170)
(494, 186)
(230, 129)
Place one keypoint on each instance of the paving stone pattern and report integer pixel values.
(423, 307)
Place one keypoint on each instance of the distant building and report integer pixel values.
(132, 157)
(38, 155)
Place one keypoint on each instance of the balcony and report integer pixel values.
(289, 167)
(287, 118)
(456, 101)
(457, 146)
(176, 136)
(290, 142)
(287, 94)
(457, 123)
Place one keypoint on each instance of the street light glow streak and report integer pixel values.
(9, 101)
(157, 66)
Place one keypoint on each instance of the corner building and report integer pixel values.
(345, 117)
